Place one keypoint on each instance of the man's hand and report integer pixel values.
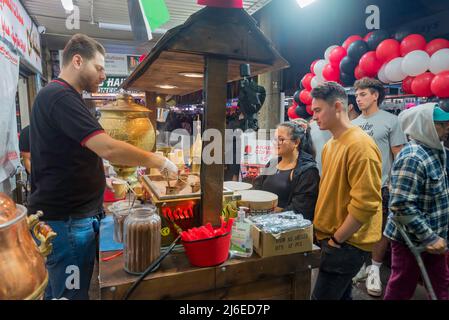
(331, 243)
(170, 168)
(438, 247)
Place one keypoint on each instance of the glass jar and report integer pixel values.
(120, 210)
(141, 239)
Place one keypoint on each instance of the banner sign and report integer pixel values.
(20, 33)
(255, 154)
(9, 148)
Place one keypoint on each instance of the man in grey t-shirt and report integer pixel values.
(384, 128)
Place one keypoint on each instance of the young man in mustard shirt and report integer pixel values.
(348, 214)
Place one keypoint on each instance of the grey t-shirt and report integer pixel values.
(319, 139)
(384, 128)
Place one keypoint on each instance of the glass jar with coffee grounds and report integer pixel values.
(142, 239)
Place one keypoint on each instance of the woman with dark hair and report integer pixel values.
(295, 179)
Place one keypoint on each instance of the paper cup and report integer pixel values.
(120, 188)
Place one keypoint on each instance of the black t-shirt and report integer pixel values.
(24, 139)
(67, 179)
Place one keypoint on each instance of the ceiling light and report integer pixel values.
(114, 26)
(67, 4)
(191, 74)
(166, 86)
(304, 3)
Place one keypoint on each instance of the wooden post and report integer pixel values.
(216, 76)
(153, 101)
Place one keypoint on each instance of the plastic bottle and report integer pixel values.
(241, 240)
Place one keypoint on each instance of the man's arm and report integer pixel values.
(396, 149)
(26, 156)
(123, 153)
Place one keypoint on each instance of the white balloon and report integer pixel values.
(439, 61)
(394, 71)
(316, 81)
(416, 63)
(318, 68)
(382, 76)
(328, 52)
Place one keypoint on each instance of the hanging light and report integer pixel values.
(166, 86)
(304, 3)
(67, 4)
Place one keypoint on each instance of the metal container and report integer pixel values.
(23, 274)
(127, 121)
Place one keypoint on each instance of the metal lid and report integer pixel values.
(124, 102)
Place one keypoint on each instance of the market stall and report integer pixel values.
(212, 45)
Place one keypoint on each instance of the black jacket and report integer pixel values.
(305, 185)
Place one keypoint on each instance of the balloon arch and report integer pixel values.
(421, 66)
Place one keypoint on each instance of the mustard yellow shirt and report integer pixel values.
(350, 184)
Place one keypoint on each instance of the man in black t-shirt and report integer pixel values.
(67, 180)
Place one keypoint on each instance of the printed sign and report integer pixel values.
(20, 33)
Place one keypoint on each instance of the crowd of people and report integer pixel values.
(372, 171)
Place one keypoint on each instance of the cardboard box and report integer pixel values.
(294, 241)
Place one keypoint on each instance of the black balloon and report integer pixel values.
(403, 32)
(376, 38)
(347, 65)
(296, 97)
(302, 112)
(347, 79)
(357, 49)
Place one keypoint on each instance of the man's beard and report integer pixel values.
(88, 85)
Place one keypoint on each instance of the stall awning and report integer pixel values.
(231, 34)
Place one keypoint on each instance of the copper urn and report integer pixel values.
(23, 274)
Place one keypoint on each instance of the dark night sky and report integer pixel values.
(306, 33)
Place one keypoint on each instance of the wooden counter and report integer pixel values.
(279, 277)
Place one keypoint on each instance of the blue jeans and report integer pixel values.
(337, 268)
(71, 262)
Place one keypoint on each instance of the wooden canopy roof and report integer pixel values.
(230, 34)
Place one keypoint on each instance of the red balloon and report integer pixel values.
(359, 73)
(440, 85)
(330, 73)
(435, 45)
(369, 64)
(306, 81)
(313, 65)
(387, 50)
(407, 85)
(309, 109)
(365, 38)
(291, 112)
(305, 97)
(421, 84)
(411, 43)
(337, 54)
(350, 40)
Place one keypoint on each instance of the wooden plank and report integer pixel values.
(261, 289)
(252, 270)
(301, 285)
(167, 68)
(214, 118)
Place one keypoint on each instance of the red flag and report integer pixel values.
(222, 3)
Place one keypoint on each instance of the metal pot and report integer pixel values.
(22, 264)
(127, 121)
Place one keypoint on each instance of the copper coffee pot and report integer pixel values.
(22, 263)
